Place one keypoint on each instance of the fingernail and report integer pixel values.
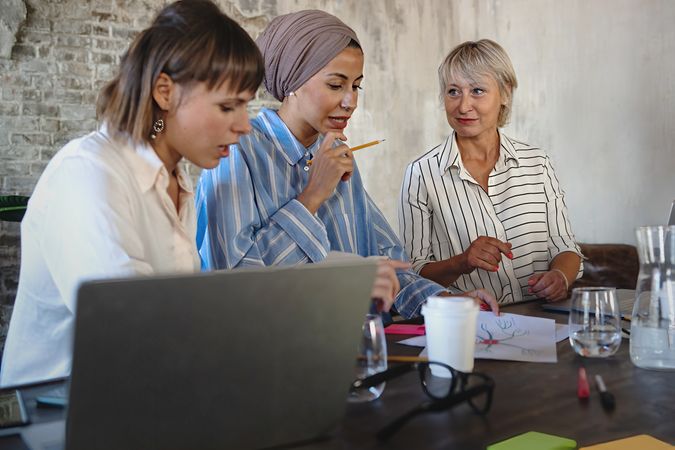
(484, 307)
(495, 269)
(509, 255)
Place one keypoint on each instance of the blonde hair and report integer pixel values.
(190, 41)
(471, 60)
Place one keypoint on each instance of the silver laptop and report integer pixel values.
(238, 359)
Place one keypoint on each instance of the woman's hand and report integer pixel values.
(329, 167)
(551, 285)
(386, 285)
(485, 300)
(485, 253)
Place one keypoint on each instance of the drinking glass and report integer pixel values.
(372, 358)
(595, 322)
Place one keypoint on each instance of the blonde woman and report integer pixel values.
(483, 210)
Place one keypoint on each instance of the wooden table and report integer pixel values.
(527, 397)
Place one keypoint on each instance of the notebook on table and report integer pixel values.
(237, 359)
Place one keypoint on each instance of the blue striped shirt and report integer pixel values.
(248, 215)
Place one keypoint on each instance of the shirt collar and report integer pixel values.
(508, 154)
(278, 133)
(145, 163)
(450, 156)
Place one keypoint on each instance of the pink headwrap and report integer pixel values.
(296, 46)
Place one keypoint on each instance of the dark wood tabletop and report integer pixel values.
(527, 397)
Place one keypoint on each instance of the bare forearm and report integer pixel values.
(568, 264)
(445, 272)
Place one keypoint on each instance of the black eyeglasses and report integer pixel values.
(445, 386)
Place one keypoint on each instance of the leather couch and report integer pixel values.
(614, 265)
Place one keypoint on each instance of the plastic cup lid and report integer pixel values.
(453, 304)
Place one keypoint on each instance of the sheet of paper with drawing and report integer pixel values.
(510, 337)
(516, 338)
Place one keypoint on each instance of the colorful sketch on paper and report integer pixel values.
(515, 337)
(500, 333)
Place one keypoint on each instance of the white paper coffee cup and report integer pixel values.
(451, 331)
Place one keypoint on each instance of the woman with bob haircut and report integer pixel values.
(288, 211)
(483, 210)
(116, 202)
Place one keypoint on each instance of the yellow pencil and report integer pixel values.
(358, 147)
(407, 359)
(367, 144)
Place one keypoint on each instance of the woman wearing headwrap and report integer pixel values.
(287, 211)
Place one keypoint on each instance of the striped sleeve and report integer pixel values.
(231, 232)
(414, 289)
(560, 236)
(415, 218)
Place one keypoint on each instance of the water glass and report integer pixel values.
(372, 358)
(595, 322)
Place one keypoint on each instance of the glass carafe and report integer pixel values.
(652, 331)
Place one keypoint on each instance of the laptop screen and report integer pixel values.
(230, 359)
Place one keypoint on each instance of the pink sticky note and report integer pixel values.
(416, 330)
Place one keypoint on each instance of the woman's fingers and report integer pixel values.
(548, 285)
(383, 293)
(387, 274)
(486, 253)
(386, 285)
(329, 167)
(477, 262)
(484, 297)
(499, 246)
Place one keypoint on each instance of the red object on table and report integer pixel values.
(415, 330)
(583, 390)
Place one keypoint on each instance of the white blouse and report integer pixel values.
(443, 209)
(100, 210)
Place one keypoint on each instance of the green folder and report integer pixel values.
(533, 440)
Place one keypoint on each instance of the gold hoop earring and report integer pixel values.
(157, 128)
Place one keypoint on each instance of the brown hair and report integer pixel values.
(190, 41)
(484, 57)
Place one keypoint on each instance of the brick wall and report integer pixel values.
(63, 53)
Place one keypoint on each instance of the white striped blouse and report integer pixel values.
(443, 209)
